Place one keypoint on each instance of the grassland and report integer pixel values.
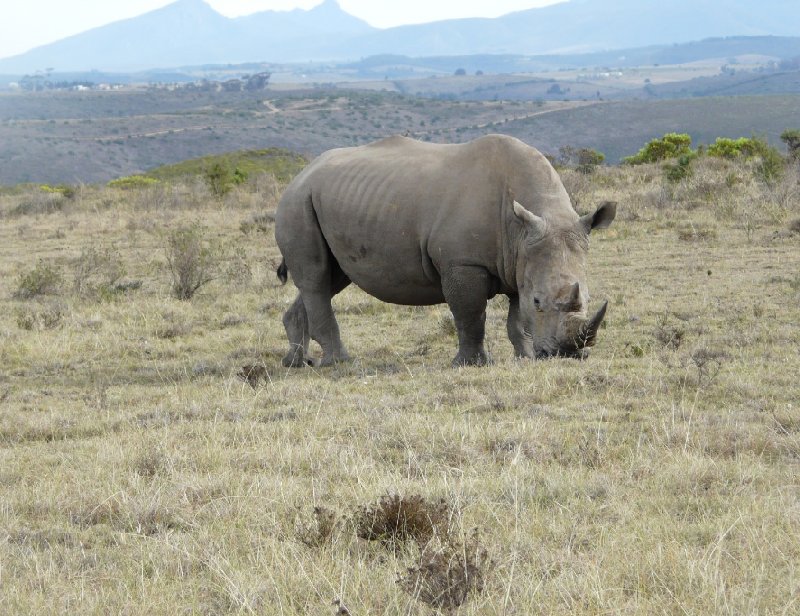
(138, 474)
(92, 137)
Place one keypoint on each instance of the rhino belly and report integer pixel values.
(389, 273)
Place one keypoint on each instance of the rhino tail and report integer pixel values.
(283, 272)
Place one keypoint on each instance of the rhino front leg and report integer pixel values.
(295, 322)
(523, 345)
(466, 290)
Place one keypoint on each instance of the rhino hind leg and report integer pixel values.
(466, 290)
(311, 317)
(324, 328)
(295, 321)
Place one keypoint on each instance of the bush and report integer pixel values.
(585, 160)
(44, 279)
(66, 191)
(132, 182)
(681, 169)
(589, 160)
(445, 577)
(746, 147)
(770, 165)
(220, 179)
(671, 145)
(98, 271)
(192, 261)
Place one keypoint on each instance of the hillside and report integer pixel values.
(97, 136)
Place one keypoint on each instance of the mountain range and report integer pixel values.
(189, 32)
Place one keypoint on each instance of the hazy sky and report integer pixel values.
(25, 24)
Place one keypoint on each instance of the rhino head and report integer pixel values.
(551, 282)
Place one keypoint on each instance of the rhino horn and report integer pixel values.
(588, 333)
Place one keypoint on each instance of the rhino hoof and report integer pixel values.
(332, 360)
(481, 358)
(296, 361)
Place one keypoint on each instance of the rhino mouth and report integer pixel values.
(578, 346)
(565, 353)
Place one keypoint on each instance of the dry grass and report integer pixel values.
(139, 474)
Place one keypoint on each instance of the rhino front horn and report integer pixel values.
(588, 333)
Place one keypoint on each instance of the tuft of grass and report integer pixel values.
(192, 260)
(446, 576)
(49, 316)
(395, 519)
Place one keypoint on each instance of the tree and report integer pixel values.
(586, 160)
(220, 179)
(256, 82)
(589, 160)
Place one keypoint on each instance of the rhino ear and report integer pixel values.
(530, 219)
(601, 219)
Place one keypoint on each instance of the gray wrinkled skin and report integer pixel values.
(418, 224)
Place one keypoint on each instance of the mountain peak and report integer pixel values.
(191, 32)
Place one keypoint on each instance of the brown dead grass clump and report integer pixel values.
(444, 577)
(397, 518)
(253, 374)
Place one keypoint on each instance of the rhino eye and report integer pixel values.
(537, 304)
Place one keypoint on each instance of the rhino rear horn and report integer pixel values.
(588, 333)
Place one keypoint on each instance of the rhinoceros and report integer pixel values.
(417, 223)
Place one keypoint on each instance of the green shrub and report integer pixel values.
(132, 182)
(44, 279)
(770, 165)
(681, 169)
(66, 191)
(191, 260)
(671, 145)
(589, 160)
(725, 147)
(220, 179)
(586, 160)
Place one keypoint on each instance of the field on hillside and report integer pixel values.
(139, 474)
(97, 136)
